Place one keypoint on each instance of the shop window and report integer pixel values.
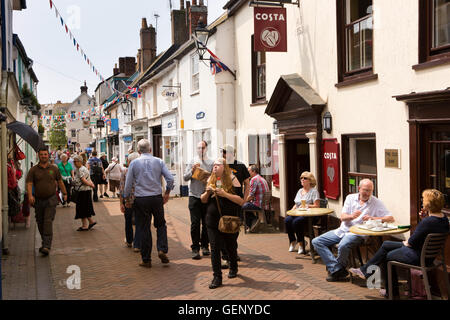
(258, 75)
(171, 152)
(195, 83)
(437, 168)
(355, 39)
(260, 153)
(359, 162)
(434, 31)
(73, 133)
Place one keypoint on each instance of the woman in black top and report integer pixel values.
(226, 193)
(409, 250)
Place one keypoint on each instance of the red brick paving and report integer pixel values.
(109, 270)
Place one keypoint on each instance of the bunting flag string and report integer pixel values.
(120, 95)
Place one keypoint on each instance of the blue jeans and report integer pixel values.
(322, 243)
(129, 212)
(145, 208)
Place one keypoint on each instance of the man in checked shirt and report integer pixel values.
(258, 186)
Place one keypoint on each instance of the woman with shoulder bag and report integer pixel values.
(113, 172)
(66, 170)
(83, 189)
(223, 207)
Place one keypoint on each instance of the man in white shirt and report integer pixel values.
(358, 207)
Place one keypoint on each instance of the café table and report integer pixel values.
(310, 213)
(378, 234)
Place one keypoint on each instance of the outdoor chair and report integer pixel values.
(433, 247)
(261, 219)
(322, 226)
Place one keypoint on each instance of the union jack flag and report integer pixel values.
(216, 65)
(135, 92)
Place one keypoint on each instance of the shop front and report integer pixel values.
(429, 148)
(170, 143)
(139, 130)
(297, 109)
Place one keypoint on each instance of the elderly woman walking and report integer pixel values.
(84, 186)
(66, 170)
(113, 172)
(126, 206)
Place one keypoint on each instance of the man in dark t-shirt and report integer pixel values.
(238, 169)
(43, 177)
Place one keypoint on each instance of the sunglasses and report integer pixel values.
(304, 178)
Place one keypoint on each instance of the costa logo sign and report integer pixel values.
(330, 155)
(270, 29)
(269, 17)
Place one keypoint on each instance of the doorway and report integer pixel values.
(297, 161)
(157, 142)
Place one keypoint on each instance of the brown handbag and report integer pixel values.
(228, 224)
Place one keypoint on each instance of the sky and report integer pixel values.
(104, 29)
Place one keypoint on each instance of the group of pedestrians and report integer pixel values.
(221, 187)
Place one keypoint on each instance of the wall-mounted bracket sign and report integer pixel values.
(331, 168)
(273, 3)
(200, 115)
(100, 124)
(392, 158)
(169, 94)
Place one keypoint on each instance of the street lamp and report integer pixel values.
(201, 38)
(327, 122)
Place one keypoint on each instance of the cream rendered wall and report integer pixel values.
(249, 119)
(361, 108)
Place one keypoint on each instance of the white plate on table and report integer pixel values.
(378, 229)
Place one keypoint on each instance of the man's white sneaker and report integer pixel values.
(292, 246)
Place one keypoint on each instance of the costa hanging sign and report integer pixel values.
(270, 29)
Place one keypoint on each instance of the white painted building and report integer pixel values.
(386, 94)
(79, 132)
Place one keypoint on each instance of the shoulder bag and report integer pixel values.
(74, 194)
(228, 224)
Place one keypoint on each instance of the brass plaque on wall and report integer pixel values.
(391, 158)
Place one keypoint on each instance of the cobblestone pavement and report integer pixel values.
(109, 270)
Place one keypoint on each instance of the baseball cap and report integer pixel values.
(227, 148)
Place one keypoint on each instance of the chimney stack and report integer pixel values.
(195, 13)
(147, 52)
(127, 66)
(179, 25)
(115, 70)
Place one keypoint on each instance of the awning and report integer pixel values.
(296, 106)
